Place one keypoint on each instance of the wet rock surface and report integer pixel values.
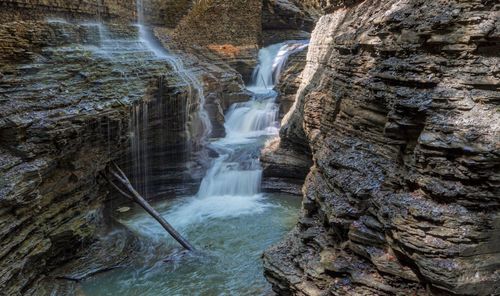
(66, 109)
(29, 10)
(399, 106)
(284, 168)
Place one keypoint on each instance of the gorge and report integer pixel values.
(303, 147)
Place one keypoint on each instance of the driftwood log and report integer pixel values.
(132, 194)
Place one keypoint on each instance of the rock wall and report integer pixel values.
(229, 29)
(288, 15)
(31, 10)
(166, 13)
(65, 112)
(221, 22)
(399, 107)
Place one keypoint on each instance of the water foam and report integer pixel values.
(231, 186)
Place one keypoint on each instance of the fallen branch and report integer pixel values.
(132, 194)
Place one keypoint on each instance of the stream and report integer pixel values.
(230, 221)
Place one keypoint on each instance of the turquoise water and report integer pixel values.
(230, 235)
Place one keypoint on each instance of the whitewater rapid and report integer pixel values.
(231, 186)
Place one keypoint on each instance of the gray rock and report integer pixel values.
(398, 105)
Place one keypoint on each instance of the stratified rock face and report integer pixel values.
(229, 29)
(11, 10)
(220, 22)
(65, 111)
(166, 13)
(399, 105)
(287, 15)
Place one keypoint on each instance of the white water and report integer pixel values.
(272, 60)
(231, 186)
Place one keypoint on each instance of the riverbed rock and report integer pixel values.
(399, 107)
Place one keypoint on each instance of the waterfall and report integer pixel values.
(227, 178)
(139, 6)
(272, 59)
(259, 116)
(139, 146)
(233, 181)
(237, 171)
(196, 88)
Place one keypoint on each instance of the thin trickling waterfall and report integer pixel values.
(139, 145)
(197, 129)
(139, 7)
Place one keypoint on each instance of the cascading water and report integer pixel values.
(229, 220)
(237, 171)
(272, 61)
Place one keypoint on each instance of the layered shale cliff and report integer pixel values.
(399, 108)
(118, 10)
(229, 29)
(65, 113)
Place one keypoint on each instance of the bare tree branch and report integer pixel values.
(136, 197)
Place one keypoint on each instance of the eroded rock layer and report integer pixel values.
(165, 13)
(399, 106)
(65, 114)
(30, 10)
(229, 29)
